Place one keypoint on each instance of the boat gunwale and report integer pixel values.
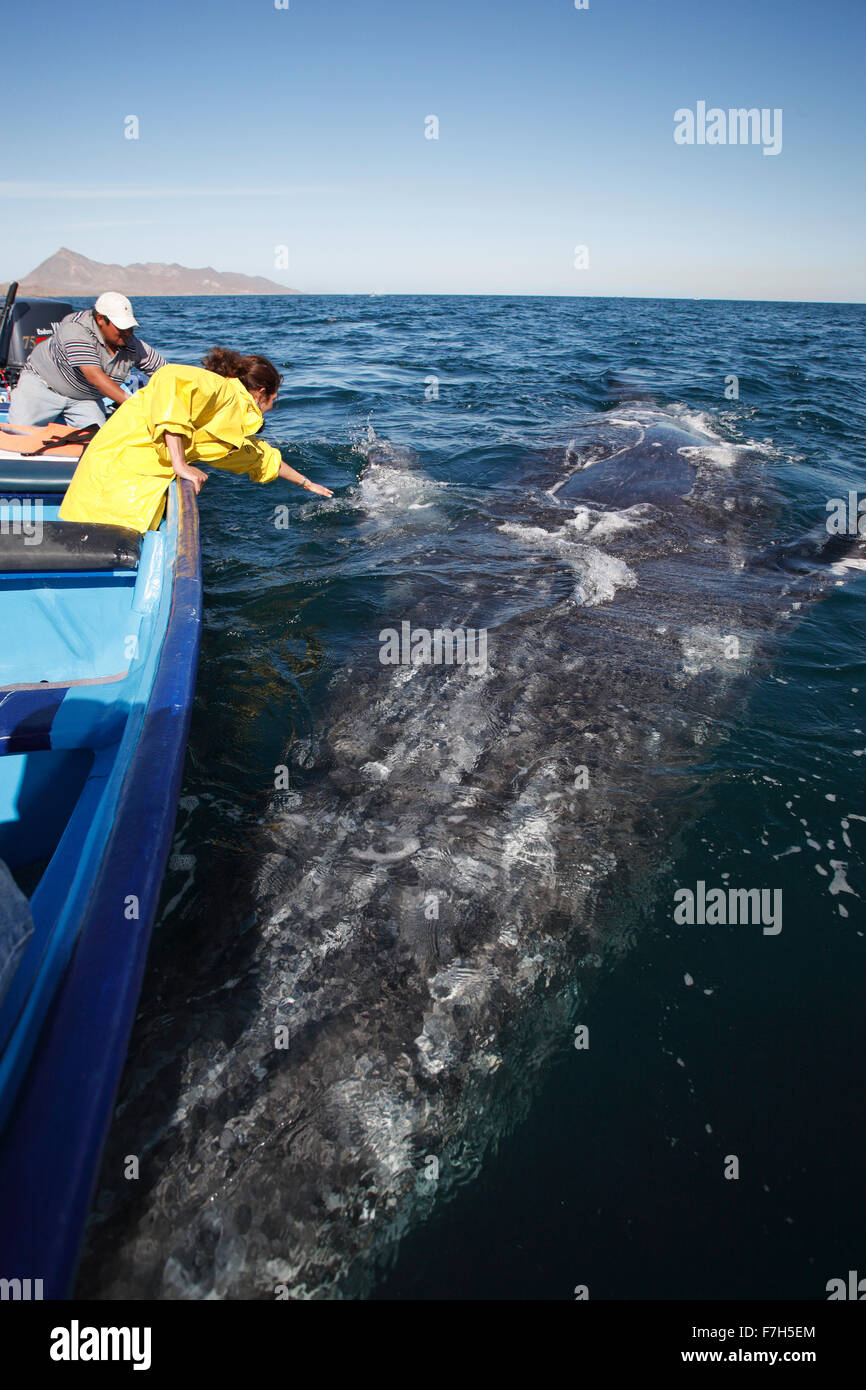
(52, 1143)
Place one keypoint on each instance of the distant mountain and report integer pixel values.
(68, 273)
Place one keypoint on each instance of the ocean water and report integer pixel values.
(708, 1142)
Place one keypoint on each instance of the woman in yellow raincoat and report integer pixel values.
(184, 416)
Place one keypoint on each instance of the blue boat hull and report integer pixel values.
(92, 741)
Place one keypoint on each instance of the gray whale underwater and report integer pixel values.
(461, 848)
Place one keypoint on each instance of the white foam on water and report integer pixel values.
(388, 489)
(718, 452)
(391, 481)
(840, 883)
(696, 422)
(717, 455)
(850, 562)
(701, 422)
(594, 525)
(599, 576)
(635, 424)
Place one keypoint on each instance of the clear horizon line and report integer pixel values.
(421, 294)
(455, 294)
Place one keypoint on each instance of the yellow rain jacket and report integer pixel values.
(124, 473)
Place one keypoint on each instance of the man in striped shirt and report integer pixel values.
(87, 357)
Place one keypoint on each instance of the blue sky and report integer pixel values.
(305, 127)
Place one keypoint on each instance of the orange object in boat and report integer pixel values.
(68, 441)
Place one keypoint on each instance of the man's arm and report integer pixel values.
(147, 359)
(96, 377)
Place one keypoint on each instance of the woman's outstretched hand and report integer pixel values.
(293, 476)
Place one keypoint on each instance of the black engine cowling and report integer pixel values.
(29, 322)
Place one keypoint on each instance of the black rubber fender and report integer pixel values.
(65, 547)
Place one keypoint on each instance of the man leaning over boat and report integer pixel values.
(88, 356)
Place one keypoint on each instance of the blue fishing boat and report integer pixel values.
(99, 638)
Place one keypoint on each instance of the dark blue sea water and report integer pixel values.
(705, 1042)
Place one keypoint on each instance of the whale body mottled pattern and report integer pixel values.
(457, 854)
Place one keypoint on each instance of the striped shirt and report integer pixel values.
(77, 342)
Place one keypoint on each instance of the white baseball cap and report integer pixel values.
(117, 308)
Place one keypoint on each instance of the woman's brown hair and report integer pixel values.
(256, 373)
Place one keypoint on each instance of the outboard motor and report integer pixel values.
(25, 323)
